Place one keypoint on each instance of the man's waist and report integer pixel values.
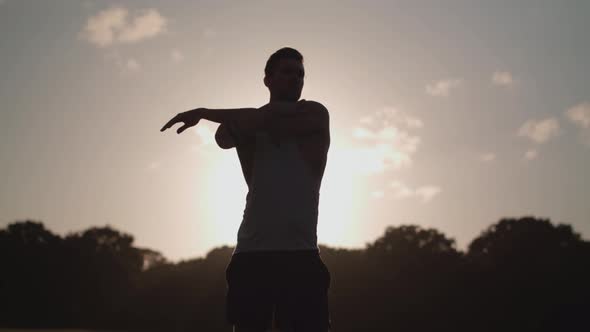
(279, 253)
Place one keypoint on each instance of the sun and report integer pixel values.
(339, 200)
(225, 191)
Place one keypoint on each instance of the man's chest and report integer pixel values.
(310, 150)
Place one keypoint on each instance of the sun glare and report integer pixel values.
(226, 191)
(339, 200)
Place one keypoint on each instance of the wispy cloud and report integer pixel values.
(114, 25)
(412, 122)
(125, 64)
(425, 193)
(531, 154)
(386, 141)
(442, 88)
(540, 131)
(487, 157)
(149, 23)
(100, 29)
(503, 78)
(580, 115)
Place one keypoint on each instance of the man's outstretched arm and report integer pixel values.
(278, 119)
(249, 119)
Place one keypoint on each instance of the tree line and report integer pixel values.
(519, 274)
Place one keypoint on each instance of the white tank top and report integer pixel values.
(282, 202)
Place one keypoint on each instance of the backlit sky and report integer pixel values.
(444, 114)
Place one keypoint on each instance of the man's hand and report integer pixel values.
(189, 118)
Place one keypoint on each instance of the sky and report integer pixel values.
(447, 115)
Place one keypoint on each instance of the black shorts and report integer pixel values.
(291, 285)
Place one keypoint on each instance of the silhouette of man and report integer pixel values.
(276, 277)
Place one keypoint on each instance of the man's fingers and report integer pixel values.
(171, 123)
(181, 117)
(183, 128)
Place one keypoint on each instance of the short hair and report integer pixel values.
(283, 53)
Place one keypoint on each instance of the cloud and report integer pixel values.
(386, 141)
(100, 29)
(146, 25)
(487, 157)
(503, 78)
(531, 154)
(392, 116)
(401, 190)
(113, 25)
(177, 55)
(125, 64)
(412, 122)
(425, 193)
(580, 115)
(540, 131)
(442, 88)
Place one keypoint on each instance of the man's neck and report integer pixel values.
(279, 100)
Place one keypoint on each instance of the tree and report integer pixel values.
(412, 279)
(526, 271)
(29, 254)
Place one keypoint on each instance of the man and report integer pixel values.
(276, 277)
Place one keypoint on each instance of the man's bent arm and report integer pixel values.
(224, 138)
(278, 119)
(235, 124)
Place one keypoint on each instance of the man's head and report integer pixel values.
(283, 75)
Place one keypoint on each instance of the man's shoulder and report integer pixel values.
(319, 111)
(314, 105)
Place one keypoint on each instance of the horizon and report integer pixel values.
(364, 247)
(449, 116)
